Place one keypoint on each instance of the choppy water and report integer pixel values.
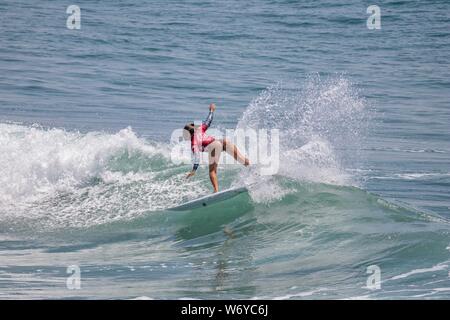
(86, 176)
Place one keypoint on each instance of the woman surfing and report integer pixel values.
(201, 142)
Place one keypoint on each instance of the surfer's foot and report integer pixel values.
(246, 162)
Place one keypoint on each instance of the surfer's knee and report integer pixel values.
(216, 149)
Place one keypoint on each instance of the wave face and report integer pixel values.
(99, 201)
(58, 178)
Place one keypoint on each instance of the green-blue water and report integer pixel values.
(86, 174)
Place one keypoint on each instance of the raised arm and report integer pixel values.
(209, 119)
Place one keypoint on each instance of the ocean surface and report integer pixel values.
(86, 173)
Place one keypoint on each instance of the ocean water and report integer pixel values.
(86, 174)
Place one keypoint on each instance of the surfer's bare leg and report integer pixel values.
(233, 151)
(213, 176)
(215, 149)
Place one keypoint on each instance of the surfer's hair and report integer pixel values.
(188, 130)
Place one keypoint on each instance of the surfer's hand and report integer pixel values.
(190, 174)
(212, 107)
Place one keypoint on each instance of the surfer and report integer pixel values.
(201, 142)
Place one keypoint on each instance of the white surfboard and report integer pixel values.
(210, 199)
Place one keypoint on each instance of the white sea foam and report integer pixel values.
(421, 175)
(37, 162)
(322, 126)
(68, 178)
(438, 267)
